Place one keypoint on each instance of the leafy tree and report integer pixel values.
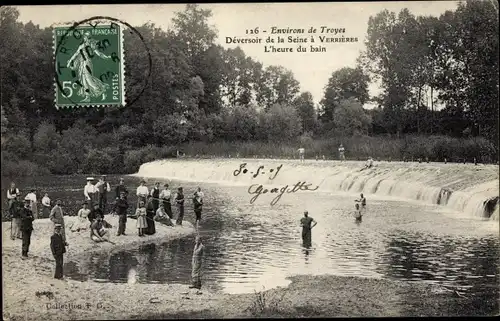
(304, 105)
(343, 84)
(281, 123)
(276, 85)
(350, 118)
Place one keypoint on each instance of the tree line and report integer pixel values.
(199, 91)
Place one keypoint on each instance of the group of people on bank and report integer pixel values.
(152, 205)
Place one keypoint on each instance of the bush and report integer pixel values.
(17, 144)
(22, 168)
(97, 161)
(46, 138)
(281, 123)
(64, 163)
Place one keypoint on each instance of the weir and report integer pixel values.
(467, 188)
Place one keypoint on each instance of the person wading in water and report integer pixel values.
(358, 215)
(179, 200)
(196, 264)
(307, 224)
(362, 201)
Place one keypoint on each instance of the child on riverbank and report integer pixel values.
(142, 223)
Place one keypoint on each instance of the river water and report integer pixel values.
(254, 246)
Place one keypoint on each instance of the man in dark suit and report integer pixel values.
(58, 248)
(26, 227)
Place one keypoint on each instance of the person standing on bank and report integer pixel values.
(58, 248)
(307, 224)
(33, 202)
(142, 193)
(150, 216)
(341, 152)
(165, 196)
(45, 206)
(121, 188)
(57, 217)
(121, 207)
(142, 223)
(155, 192)
(301, 153)
(90, 192)
(26, 227)
(102, 189)
(15, 214)
(196, 263)
(179, 200)
(12, 193)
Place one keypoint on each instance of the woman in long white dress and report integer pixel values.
(81, 222)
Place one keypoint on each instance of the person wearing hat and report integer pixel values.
(102, 189)
(12, 193)
(81, 222)
(142, 193)
(58, 248)
(26, 227)
(57, 217)
(121, 188)
(165, 196)
(90, 192)
(121, 207)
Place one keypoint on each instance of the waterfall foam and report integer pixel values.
(464, 188)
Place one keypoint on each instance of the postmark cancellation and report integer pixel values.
(89, 65)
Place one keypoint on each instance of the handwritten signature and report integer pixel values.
(258, 190)
(243, 170)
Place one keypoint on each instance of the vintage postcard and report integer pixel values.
(250, 160)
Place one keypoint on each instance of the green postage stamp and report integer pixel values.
(89, 64)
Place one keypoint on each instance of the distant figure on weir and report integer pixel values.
(341, 152)
(90, 192)
(166, 196)
(368, 164)
(102, 189)
(357, 214)
(307, 224)
(197, 264)
(301, 151)
(58, 248)
(26, 227)
(33, 202)
(362, 201)
(142, 223)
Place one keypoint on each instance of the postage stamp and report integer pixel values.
(89, 62)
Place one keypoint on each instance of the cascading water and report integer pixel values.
(464, 188)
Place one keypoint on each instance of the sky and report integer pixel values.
(311, 69)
